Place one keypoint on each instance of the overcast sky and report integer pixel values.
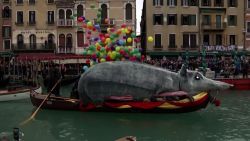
(139, 4)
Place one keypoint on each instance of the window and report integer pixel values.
(19, 1)
(6, 44)
(206, 3)
(206, 40)
(184, 2)
(189, 40)
(172, 41)
(157, 2)
(158, 19)
(128, 11)
(172, 19)
(32, 41)
(61, 41)
(50, 1)
(232, 40)
(6, 32)
(218, 3)
(32, 17)
(188, 19)
(232, 20)
(69, 41)
(206, 19)
(193, 41)
(20, 43)
(185, 41)
(193, 2)
(51, 17)
(51, 43)
(80, 38)
(32, 1)
(19, 17)
(68, 14)
(172, 2)
(218, 39)
(6, 12)
(248, 4)
(158, 41)
(80, 11)
(61, 14)
(104, 14)
(248, 27)
(232, 3)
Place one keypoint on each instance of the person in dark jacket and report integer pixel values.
(74, 92)
(54, 76)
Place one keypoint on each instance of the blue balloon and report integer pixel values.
(97, 26)
(85, 68)
(121, 42)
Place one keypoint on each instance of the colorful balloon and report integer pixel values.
(129, 40)
(150, 39)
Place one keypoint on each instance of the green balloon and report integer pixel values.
(85, 52)
(72, 17)
(99, 14)
(100, 9)
(133, 35)
(126, 49)
(90, 52)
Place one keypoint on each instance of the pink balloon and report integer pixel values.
(123, 25)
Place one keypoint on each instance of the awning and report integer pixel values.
(48, 56)
(161, 53)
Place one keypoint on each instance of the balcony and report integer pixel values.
(50, 22)
(19, 23)
(33, 47)
(32, 23)
(66, 50)
(214, 26)
(65, 22)
(6, 1)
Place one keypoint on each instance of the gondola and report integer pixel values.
(17, 93)
(4, 82)
(200, 101)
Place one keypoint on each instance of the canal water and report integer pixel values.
(229, 122)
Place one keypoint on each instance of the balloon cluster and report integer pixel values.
(112, 44)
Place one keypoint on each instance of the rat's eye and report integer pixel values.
(197, 77)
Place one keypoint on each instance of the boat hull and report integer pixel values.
(200, 101)
(239, 84)
(17, 94)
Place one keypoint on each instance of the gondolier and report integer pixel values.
(54, 76)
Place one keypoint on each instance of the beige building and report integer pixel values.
(180, 25)
(46, 24)
(5, 22)
(33, 25)
(247, 25)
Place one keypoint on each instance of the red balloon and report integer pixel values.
(94, 29)
(84, 26)
(88, 61)
(108, 58)
(103, 39)
(112, 30)
(80, 19)
(123, 25)
(107, 35)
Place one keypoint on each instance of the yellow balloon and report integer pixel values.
(107, 40)
(129, 40)
(150, 39)
(103, 60)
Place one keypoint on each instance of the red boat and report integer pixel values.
(201, 100)
(239, 84)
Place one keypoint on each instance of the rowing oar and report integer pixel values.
(39, 107)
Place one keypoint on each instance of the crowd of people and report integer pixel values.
(222, 66)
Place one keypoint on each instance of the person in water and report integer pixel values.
(54, 76)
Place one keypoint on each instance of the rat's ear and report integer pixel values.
(183, 71)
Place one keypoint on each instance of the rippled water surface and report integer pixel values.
(229, 122)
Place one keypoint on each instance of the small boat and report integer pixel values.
(17, 93)
(53, 102)
(4, 82)
(239, 84)
(127, 138)
(200, 101)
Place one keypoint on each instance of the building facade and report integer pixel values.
(51, 25)
(247, 25)
(5, 22)
(33, 25)
(180, 25)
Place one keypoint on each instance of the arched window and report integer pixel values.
(61, 41)
(6, 12)
(104, 11)
(79, 10)
(32, 41)
(129, 12)
(20, 42)
(80, 38)
(68, 13)
(61, 14)
(51, 39)
(69, 41)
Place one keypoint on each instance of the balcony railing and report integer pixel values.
(65, 22)
(194, 47)
(33, 46)
(214, 26)
(66, 50)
